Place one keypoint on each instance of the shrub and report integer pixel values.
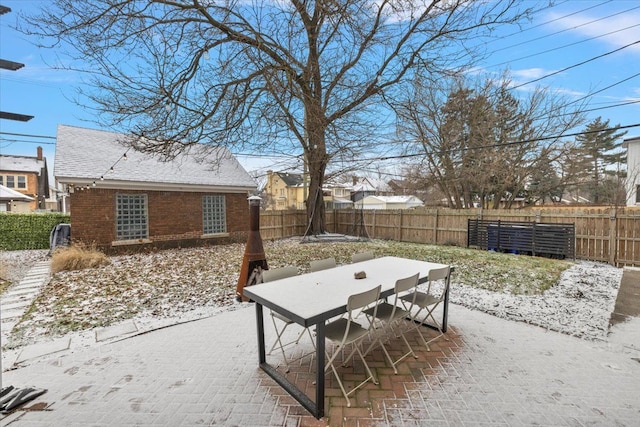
(28, 231)
(76, 257)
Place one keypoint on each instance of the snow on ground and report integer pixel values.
(579, 305)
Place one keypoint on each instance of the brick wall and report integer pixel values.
(175, 218)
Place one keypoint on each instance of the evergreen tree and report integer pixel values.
(600, 148)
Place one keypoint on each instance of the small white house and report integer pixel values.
(388, 202)
(633, 170)
(13, 201)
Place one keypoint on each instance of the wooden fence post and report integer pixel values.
(613, 237)
(374, 223)
(400, 228)
(435, 228)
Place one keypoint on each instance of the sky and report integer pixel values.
(575, 48)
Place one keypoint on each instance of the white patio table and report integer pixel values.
(311, 299)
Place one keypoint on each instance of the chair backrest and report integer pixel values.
(406, 284)
(402, 286)
(322, 264)
(363, 299)
(437, 274)
(362, 256)
(279, 273)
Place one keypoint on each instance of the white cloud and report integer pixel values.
(531, 73)
(624, 27)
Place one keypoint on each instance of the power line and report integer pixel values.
(566, 29)
(603, 89)
(562, 47)
(505, 144)
(517, 33)
(27, 141)
(576, 65)
(27, 135)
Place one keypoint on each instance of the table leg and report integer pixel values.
(320, 353)
(445, 310)
(316, 408)
(262, 357)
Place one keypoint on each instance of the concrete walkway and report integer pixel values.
(489, 372)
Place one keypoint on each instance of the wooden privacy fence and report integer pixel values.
(610, 235)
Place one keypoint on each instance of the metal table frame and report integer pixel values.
(294, 298)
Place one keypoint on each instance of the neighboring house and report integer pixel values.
(363, 187)
(289, 191)
(286, 190)
(337, 196)
(388, 202)
(633, 170)
(27, 175)
(13, 201)
(119, 198)
(400, 187)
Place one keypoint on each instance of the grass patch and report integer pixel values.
(75, 257)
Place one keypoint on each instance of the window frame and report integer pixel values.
(214, 214)
(24, 181)
(129, 229)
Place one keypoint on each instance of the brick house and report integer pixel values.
(121, 199)
(27, 175)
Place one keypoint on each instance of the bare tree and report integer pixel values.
(313, 77)
(482, 144)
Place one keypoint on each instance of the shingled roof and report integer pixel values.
(84, 156)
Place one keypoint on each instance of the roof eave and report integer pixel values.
(153, 186)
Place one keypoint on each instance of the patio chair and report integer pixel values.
(346, 331)
(392, 316)
(427, 302)
(276, 318)
(362, 256)
(322, 264)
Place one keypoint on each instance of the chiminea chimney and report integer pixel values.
(39, 155)
(254, 260)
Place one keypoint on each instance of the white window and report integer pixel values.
(214, 214)
(22, 181)
(10, 181)
(131, 217)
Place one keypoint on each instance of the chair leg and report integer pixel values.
(370, 376)
(419, 323)
(278, 342)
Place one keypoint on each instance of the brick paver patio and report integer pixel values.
(490, 372)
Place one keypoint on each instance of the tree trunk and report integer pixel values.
(315, 201)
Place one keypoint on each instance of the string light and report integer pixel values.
(124, 157)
